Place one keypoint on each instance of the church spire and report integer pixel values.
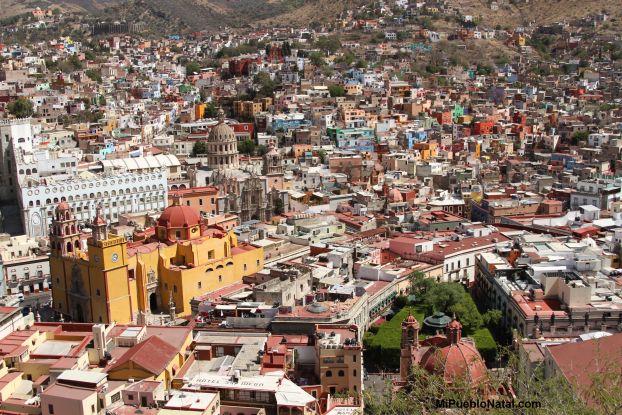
(99, 225)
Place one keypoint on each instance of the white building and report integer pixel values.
(119, 193)
(20, 131)
(25, 265)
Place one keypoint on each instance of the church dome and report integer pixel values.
(456, 360)
(178, 216)
(221, 132)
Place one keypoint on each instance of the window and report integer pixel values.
(211, 254)
(220, 351)
(115, 398)
(354, 358)
(50, 408)
(97, 292)
(329, 374)
(93, 408)
(130, 396)
(143, 401)
(200, 202)
(199, 284)
(354, 372)
(341, 373)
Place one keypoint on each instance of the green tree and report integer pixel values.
(199, 148)
(211, 110)
(468, 315)
(56, 11)
(361, 63)
(94, 75)
(317, 59)
(261, 150)
(328, 43)
(420, 285)
(247, 147)
(578, 137)
(75, 63)
(443, 296)
(347, 58)
(279, 206)
(265, 84)
(286, 49)
(492, 318)
(89, 55)
(336, 91)
(192, 67)
(102, 100)
(403, 35)
(21, 108)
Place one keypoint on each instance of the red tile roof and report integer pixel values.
(580, 361)
(153, 355)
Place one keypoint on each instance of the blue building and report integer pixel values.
(414, 136)
(568, 160)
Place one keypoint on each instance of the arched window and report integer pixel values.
(329, 374)
(341, 373)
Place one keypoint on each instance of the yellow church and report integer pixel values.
(161, 270)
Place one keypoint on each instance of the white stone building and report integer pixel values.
(118, 193)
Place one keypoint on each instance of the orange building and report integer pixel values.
(426, 150)
(200, 199)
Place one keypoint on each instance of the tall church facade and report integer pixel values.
(244, 192)
(110, 279)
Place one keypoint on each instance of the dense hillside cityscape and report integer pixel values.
(310, 208)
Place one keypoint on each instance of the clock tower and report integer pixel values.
(108, 272)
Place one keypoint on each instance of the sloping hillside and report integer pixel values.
(192, 14)
(520, 13)
(172, 15)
